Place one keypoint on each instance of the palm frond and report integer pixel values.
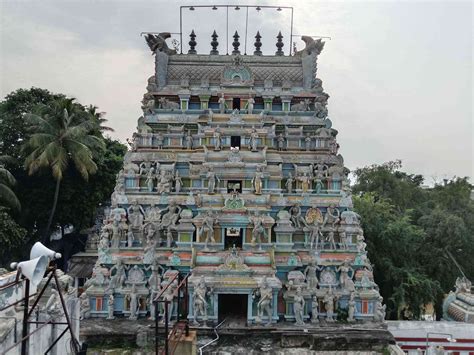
(8, 198)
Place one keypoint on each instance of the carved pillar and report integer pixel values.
(267, 103)
(184, 102)
(286, 103)
(204, 101)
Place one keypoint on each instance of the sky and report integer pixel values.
(399, 73)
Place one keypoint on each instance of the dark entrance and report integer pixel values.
(233, 236)
(234, 184)
(235, 141)
(233, 306)
(236, 103)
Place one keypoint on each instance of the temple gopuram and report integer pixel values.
(233, 177)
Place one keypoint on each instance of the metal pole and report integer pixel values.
(186, 302)
(181, 28)
(66, 315)
(24, 333)
(166, 327)
(156, 327)
(227, 30)
(246, 27)
(291, 31)
(178, 308)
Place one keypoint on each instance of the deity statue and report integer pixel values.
(150, 179)
(264, 305)
(253, 141)
(110, 307)
(343, 241)
(168, 296)
(135, 215)
(281, 142)
(103, 249)
(314, 309)
(379, 313)
(207, 228)
(310, 275)
(188, 140)
(346, 273)
(289, 183)
(217, 139)
(132, 298)
(250, 103)
(163, 183)
(305, 182)
(200, 303)
(177, 182)
(319, 185)
(117, 279)
(130, 238)
(211, 180)
(298, 307)
(258, 231)
(366, 279)
(160, 140)
(257, 181)
(332, 216)
(150, 248)
(296, 217)
(222, 104)
(153, 214)
(314, 234)
(330, 240)
(53, 305)
(169, 238)
(307, 142)
(351, 308)
(116, 216)
(170, 218)
(360, 243)
(85, 307)
(328, 301)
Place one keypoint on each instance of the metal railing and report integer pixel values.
(213, 340)
(182, 284)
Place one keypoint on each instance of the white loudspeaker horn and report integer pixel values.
(39, 250)
(33, 269)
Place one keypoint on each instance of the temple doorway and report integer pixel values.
(233, 236)
(236, 103)
(234, 184)
(235, 141)
(233, 306)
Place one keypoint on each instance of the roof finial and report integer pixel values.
(214, 43)
(192, 43)
(279, 44)
(236, 43)
(257, 44)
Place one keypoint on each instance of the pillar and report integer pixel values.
(184, 102)
(204, 101)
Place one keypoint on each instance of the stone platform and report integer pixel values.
(234, 337)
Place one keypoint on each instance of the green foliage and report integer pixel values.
(12, 237)
(7, 181)
(408, 230)
(78, 198)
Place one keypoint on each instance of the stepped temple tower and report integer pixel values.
(233, 176)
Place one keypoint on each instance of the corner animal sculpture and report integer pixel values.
(158, 42)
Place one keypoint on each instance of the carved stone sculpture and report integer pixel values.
(211, 180)
(85, 307)
(289, 183)
(332, 216)
(314, 309)
(222, 104)
(315, 235)
(305, 182)
(189, 141)
(200, 303)
(110, 307)
(53, 305)
(351, 308)
(118, 279)
(135, 215)
(258, 231)
(329, 304)
(165, 104)
(264, 305)
(257, 181)
(253, 141)
(310, 275)
(298, 307)
(281, 142)
(132, 298)
(217, 139)
(207, 229)
(177, 182)
(296, 217)
(250, 103)
(346, 272)
(379, 312)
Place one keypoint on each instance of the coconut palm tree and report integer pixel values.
(62, 132)
(7, 181)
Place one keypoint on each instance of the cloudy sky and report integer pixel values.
(399, 73)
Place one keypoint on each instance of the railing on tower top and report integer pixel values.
(180, 324)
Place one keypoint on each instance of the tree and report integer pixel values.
(7, 181)
(411, 231)
(12, 237)
(61, 133)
